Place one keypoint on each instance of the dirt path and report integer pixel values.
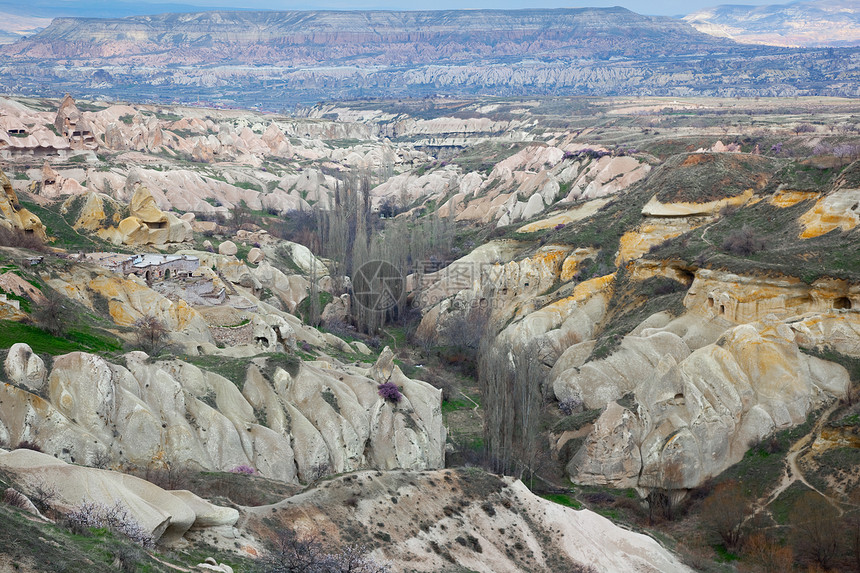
(169, 565)
(705, 233)
(792, 471)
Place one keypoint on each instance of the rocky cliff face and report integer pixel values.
(694, 415)
(815, 23)
(326, 55)
(418, 37)
(289, 427)
(686, 390)
(15, 217)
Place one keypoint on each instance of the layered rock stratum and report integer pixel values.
(233, 56)
(815, 23)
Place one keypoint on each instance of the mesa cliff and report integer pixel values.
(272, 60)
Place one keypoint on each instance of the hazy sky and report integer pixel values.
(108, 7)
(664, 7)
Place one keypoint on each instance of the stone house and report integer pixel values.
(70, 123)
(160, 267)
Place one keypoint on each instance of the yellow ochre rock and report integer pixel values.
(147, 224)
(13, 216)
(838, 210)
(786, 198)
(634, 244)
(744, 299)
(570, 266)
(655, 208)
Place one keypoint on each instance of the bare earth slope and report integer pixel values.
(462, 519)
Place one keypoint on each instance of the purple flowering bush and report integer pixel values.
(390, 392)
(243, 469)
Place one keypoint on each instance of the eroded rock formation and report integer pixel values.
(289, 426)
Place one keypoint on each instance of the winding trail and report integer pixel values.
(169, 565)
(792, 471)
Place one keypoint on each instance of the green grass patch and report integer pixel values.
(242, 252)
(848, 421)
(564, 499)
(839, 464)
(331, 399)
(762, 466)
(703, 177)
(304, 307)
(484, 156)
(248, 185)
(449, 406)
(800, 177)
(43, 342)
(90, 106)
(289, 362)
(604, 229)
(830, 255)
(29, 545)
(233, 369)
(22, 302)
(632, 302)
(396, 336)
(724, 555)
(66, 236)
(851, 364)
(781, 507)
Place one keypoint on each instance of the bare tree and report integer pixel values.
(529, 383)
(167, 475)
(355, 559)
(294, 553)
(664, 499)
(314, 294)
(54, 314)
(768, 554)
(816, 529)
(23, 239)
(151, 334)
(465, 329)
(725, 511)
(511, 383)
(804, 128)
(852, 531)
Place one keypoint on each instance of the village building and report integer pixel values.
(147, 266)
(13, 126)
(32, 141)
(159, 267)
(49, 176)
(70, 123)
(173, 276)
